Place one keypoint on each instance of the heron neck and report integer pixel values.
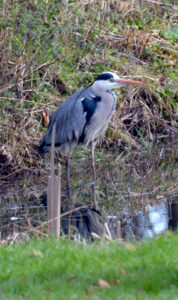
(97, 90)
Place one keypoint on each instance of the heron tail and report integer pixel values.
(42, 147)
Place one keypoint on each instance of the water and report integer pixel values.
(136, 188)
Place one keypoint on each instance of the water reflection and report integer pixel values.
(144, 224)
(153, 221)
(138, 189)
(148, 223)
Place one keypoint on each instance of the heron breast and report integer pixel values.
(98, 115)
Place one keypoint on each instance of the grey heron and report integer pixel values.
(83, 119)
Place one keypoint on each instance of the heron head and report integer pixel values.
(109, 80)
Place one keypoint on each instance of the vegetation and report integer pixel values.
(51, 48)
(48, 50)
(53, 269)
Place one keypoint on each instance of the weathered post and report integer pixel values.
(57, 203)
(118, 231)
(54, 194)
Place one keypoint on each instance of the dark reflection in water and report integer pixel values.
(136, 189)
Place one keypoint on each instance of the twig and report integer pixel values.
(160, 3)
(133, 58)
(62, 215)
(107, 229)
(7, 87)
(28, 101)
(95, 236)
(32, 229)
(48, 63)
(14, 172)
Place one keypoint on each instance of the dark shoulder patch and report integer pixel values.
(104, 76)
(89, 106)
(97, 99)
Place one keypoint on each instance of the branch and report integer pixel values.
(162, 4)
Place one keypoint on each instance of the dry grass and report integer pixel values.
(48, 52)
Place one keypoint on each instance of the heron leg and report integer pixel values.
(68, 177)
(94, 175)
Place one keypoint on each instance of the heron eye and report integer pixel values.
(111, 79)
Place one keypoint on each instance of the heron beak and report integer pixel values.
(126, 81)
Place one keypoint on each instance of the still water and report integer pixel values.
(135, 188)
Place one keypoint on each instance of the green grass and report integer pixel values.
(53, 269)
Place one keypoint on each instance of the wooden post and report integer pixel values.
(49, 204)
(54, 194)
(57, 203)
(118, 231)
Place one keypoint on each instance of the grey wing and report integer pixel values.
(70, 121)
